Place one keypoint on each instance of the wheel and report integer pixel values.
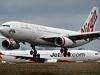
(31, 52)
(61, 50)
(65, 52)
(35, 54)
(69, 54)
(35, 51)
(38, 55)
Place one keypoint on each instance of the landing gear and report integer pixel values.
(38, 55)
(65, 52)
(33, 52)
(69, 54)
(61, 50)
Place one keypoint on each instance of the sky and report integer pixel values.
(66, 14)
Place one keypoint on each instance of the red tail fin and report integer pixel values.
(89, 25)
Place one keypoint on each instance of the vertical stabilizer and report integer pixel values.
(89, 25)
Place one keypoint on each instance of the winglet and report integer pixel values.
(89, 25)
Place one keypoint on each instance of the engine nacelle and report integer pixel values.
(10, 44)
(63, 42)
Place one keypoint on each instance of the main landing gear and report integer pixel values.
(65, 52)
(34, 53)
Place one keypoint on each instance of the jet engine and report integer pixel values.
(63, 42)
(10, 44)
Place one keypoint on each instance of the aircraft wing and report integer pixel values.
(31, 58)
(28, 58)
(24, 57)
(74, 37)
(87, 35)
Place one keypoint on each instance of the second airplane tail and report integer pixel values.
(89, 25)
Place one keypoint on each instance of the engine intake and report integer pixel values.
(10, 44)
(63, 42)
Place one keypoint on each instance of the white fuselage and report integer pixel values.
(49, 36)
(33, 33)
(53, 55)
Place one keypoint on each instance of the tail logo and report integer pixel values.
(89, 26)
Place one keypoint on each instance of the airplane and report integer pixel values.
(38, 35)
(44, 56)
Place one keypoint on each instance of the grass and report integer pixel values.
(50, 69)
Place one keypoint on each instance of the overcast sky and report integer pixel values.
(66, 14)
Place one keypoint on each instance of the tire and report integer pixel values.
(61, 50)
(69, 54)
(35, 52)
(31, 52)
(38, 55)
(64, 54)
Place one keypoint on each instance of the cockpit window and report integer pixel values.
(6, 25)
(96, 53)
